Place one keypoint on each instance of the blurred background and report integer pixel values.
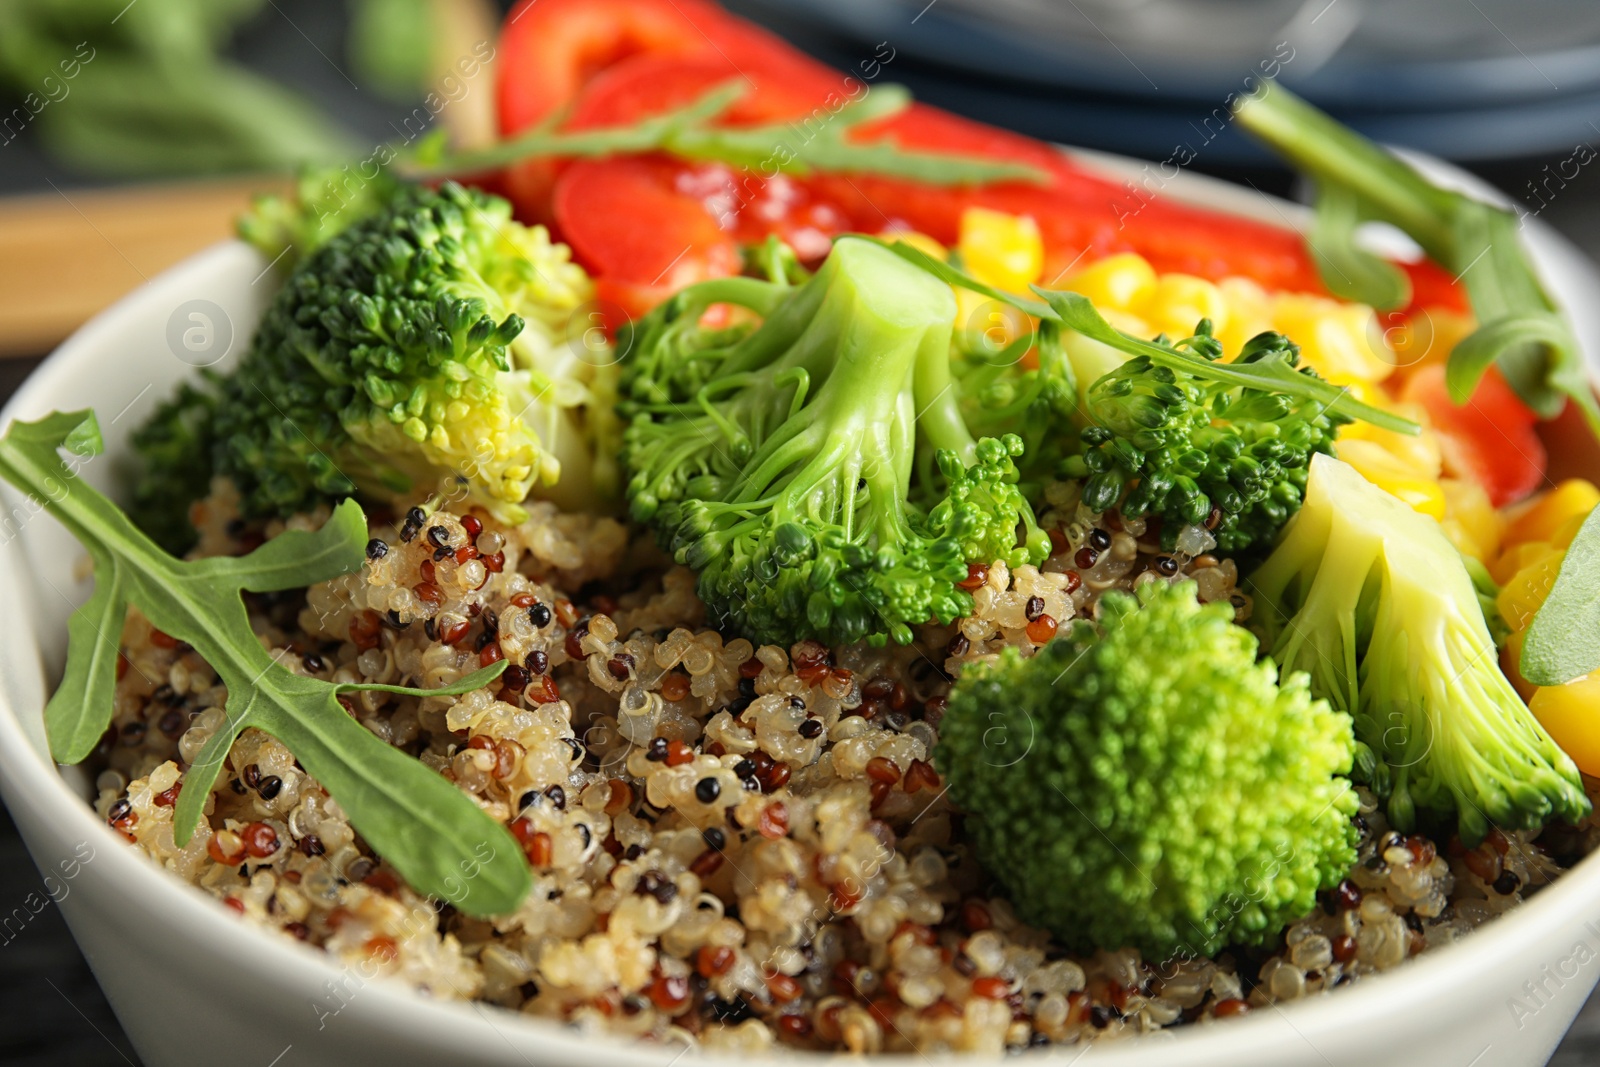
(132, 132)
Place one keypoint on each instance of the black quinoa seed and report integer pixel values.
(1100, 1016)
(747, 687)
(133, 733)
(811, 729)
(577, 753)
(270, 787)
(1166, 565)
(1507, 883)
(958, 645)
(657, 885)
(516, 678)
(1099, 540)
(237, 786)
(539, 615)
(1034, 608)
(377, 548)
(313, 663)
(530, 799)
(633, 852)
(439, 536)
(656, 750)
(707, 790)
(251, 775)
(714, 838)
(311, 845)
(537, 661)
(558, 797)
(119, 810)
(745, 769)
(173, 724)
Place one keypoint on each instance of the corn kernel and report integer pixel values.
(1181, 301)
(1249, 313)
(1124, 282)
(1006, 251)
(1419, 454)
(1571, 713)
(1426, 338)
(920, 241)
(1340, 340)
(1378, 466)
(986, 325)
(1549, 512)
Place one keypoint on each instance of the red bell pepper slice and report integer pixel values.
(1490, 438)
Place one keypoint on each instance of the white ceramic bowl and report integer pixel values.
(194, 985)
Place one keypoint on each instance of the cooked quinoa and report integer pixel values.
(734, 846)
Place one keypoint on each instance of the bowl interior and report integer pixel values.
(130, 359)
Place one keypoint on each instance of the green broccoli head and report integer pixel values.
(1370, 598)
(1149, 782)
(324, 202)
(425, 343)
(784, 462)
(1181, 444)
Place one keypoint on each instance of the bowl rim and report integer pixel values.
(30, 781)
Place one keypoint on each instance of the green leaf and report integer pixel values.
(1075, 312)
(434, 835)
(1563, 641)
(81, 708)
(688, 133)
(954, 276)
(1350, 271)
(1521, 330)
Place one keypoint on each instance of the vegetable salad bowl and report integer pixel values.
(194, 985)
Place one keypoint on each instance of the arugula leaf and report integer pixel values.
(1563, 641)
(439, 840)
(1073, 311)
(1350, 271)
(688, 134)
(1520, 328)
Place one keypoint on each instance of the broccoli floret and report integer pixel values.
(1150, 783)
(175, 445)
(816, 470)
(1026, 387)
(1188, 444)
(424, 344)
(1370, 598)
(324, 202)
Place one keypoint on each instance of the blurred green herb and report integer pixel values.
(688, 134)
(1519, 327)
(143, 88)
(391, 45)
(441, 842)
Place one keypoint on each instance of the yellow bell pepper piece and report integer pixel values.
(1574, 497)
(1571, 713)
(1522, 596)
